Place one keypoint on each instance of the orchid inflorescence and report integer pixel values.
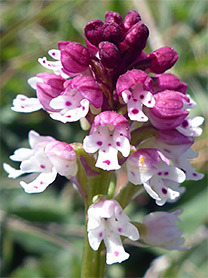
(138, 120)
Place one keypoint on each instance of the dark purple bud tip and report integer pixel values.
(93, 31)
(109, 54)
(111, 17)
(162, 59)
(135, 38)
(112, 32)
(130, 19)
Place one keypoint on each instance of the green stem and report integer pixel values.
(129, 192)
(93, 262)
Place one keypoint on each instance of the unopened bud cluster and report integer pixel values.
(139, 120)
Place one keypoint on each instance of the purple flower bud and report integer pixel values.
(112, 32)
(50, 87)
(93, 31)
(109, 54)
(162, 59)
(111, 17)
(168, 81)
(130, 19)
(75, 58)
(168, 112)
(135, 38)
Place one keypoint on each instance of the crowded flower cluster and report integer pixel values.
(138, 117)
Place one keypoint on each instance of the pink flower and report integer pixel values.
(160, 230)
(73, 104)
(107, 222)
(135, 87)
(46, 158)
(109, 134)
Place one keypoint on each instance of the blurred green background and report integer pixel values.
(42, 235)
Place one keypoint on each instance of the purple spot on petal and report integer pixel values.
(44, 61)
(42, 166)
(133, 174)
(129, 96)
(100, 234)
(22, 107)
(53, 54)
(118, 144)
(22, 99)
(164, 191)
(185, 123)
(83, 108)
(159, 173)
(149, 101)
(41, 182)
(166, 173)
(35, 186)
(194, 174)
(135, 111)
(109, 144)
(107, 162)
(135, 100)
(67, 103)
(99, 143)
(142, 96)
(69, 116)
(116, 253)
(120, 230)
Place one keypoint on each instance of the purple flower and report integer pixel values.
(135, 87)
(160, 179)
(169, 109)
(45, 158)
(108, 135)
(107, 222)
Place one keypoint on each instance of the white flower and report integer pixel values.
(46, 158)
(107, 221)
(160, 180)
(109, 135)
(160, 230)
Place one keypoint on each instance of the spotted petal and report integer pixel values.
(40, 183)
(26, 105)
